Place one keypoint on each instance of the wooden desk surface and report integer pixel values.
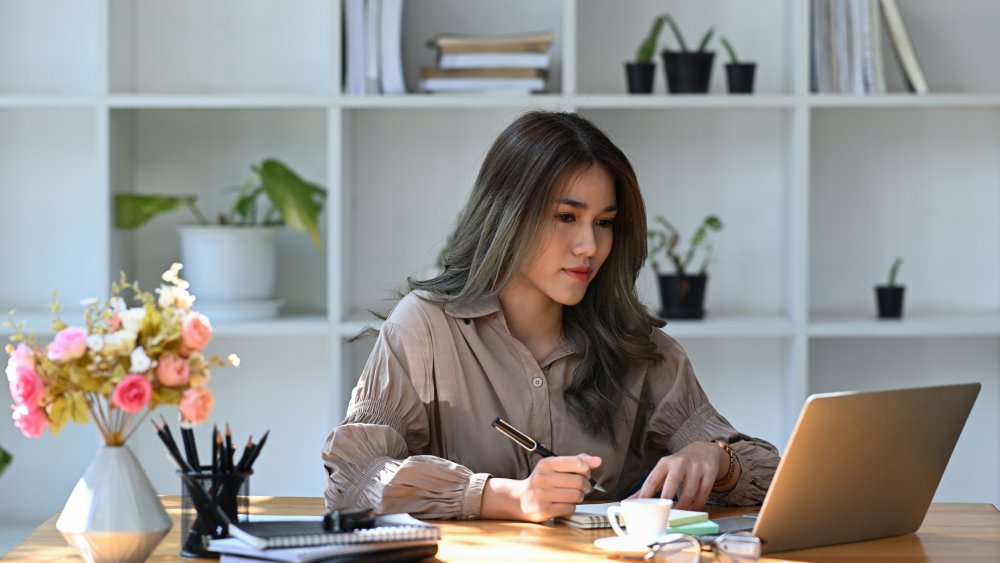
(950, 532)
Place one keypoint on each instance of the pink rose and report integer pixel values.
(197, 330)
(70, 344)
(197, 404)
(172, 370)
(30, 419)
(28, 388)
(114, 322)
(22, 356)
(133, 393)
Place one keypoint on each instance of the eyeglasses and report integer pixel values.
(737, 547)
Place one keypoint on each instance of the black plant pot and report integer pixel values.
(740, 77)
(683, 297)
(890, 301)
(687, 72)
(640, 77)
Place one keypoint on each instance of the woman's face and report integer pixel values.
(575, 238)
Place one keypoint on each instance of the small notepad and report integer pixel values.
(596, 516)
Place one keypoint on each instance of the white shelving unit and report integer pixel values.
(818, 192)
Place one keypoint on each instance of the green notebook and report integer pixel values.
(697, 529)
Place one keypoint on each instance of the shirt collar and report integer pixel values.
(473, 309)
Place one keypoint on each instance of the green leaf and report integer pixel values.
(705, 40)
(656, 240)
(894, 270)
(5, 459)
(80, 412)
(677, 32)
(294, 198)
(59, 415)
(648, 46)
(245, 203)
(132, 210)
(730, 50)
(713, 223)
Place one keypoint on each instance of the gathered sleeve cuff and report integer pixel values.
(683, 414)
(375, 458)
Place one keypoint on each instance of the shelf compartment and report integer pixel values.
(208, 153)
(454, 101)
(943, 100)
(218, 101)
(685, 101)
(867, 364)
(609, 33)
(223, 46)
(429, 18)
(49, 48)
(921, 184)
(52, 208)
(859, 325)
(731, 163)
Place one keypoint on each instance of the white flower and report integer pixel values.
(132, 319)
(117, 304)
(140, 361)
(95, 342)
(11, 370)
(166, 296)
(122, 340)
(182, 298)
(89, 301)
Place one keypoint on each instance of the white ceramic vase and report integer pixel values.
(113, 515)
(232, 270)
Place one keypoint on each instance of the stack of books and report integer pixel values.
(847, 47)
(489, 63)
(300, 539)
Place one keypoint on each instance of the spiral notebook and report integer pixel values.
(307, 533)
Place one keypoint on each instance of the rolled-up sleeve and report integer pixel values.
(377, 456)
(683, 415)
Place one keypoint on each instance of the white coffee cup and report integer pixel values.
(645, 518)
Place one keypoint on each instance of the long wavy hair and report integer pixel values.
(530, 161)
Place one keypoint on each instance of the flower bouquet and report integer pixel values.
(123, 364)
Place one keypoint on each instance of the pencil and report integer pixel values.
(229, 448)
(256, 451)
(241, 466)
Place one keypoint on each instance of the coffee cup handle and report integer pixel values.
(613, 512)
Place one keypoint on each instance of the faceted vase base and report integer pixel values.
(115, 548)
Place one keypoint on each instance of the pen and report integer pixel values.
(531, 444)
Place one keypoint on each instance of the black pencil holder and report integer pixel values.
(209, 501)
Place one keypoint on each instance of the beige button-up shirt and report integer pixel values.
(418, 435)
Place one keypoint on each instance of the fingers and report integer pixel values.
(566, 464)
(592, 461)
(704, 490)
(654, 481)
(670, 484)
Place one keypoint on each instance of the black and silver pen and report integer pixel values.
(532, 445)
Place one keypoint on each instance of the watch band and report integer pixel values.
(732, 465)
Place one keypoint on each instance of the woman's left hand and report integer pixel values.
(696, 465)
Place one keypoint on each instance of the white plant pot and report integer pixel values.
(113, 514)
(231, 270)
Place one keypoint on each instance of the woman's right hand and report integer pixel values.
(554, 488)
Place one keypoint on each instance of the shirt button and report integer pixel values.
(734, 497)
(537, 382)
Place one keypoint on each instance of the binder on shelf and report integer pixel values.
(372, 12)
(847, 47)
(354, 28)
(904, 48)
(391, 53)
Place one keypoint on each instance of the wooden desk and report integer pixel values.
(950, 532)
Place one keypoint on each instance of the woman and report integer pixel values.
(536, 319)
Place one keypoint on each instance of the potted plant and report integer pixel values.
(683, 294)
(233, 263)
(890, 297)
(688, 72)
(641, 73)
(739, 76)
(5, 459)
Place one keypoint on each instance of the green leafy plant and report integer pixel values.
(680, 38)
(730, 50)
(648, 47)
(670, 237)
(894, 270)
(292, 202)
(5, 459)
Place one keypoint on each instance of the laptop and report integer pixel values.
(859, 466)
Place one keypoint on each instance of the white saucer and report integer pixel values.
(624, 546)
